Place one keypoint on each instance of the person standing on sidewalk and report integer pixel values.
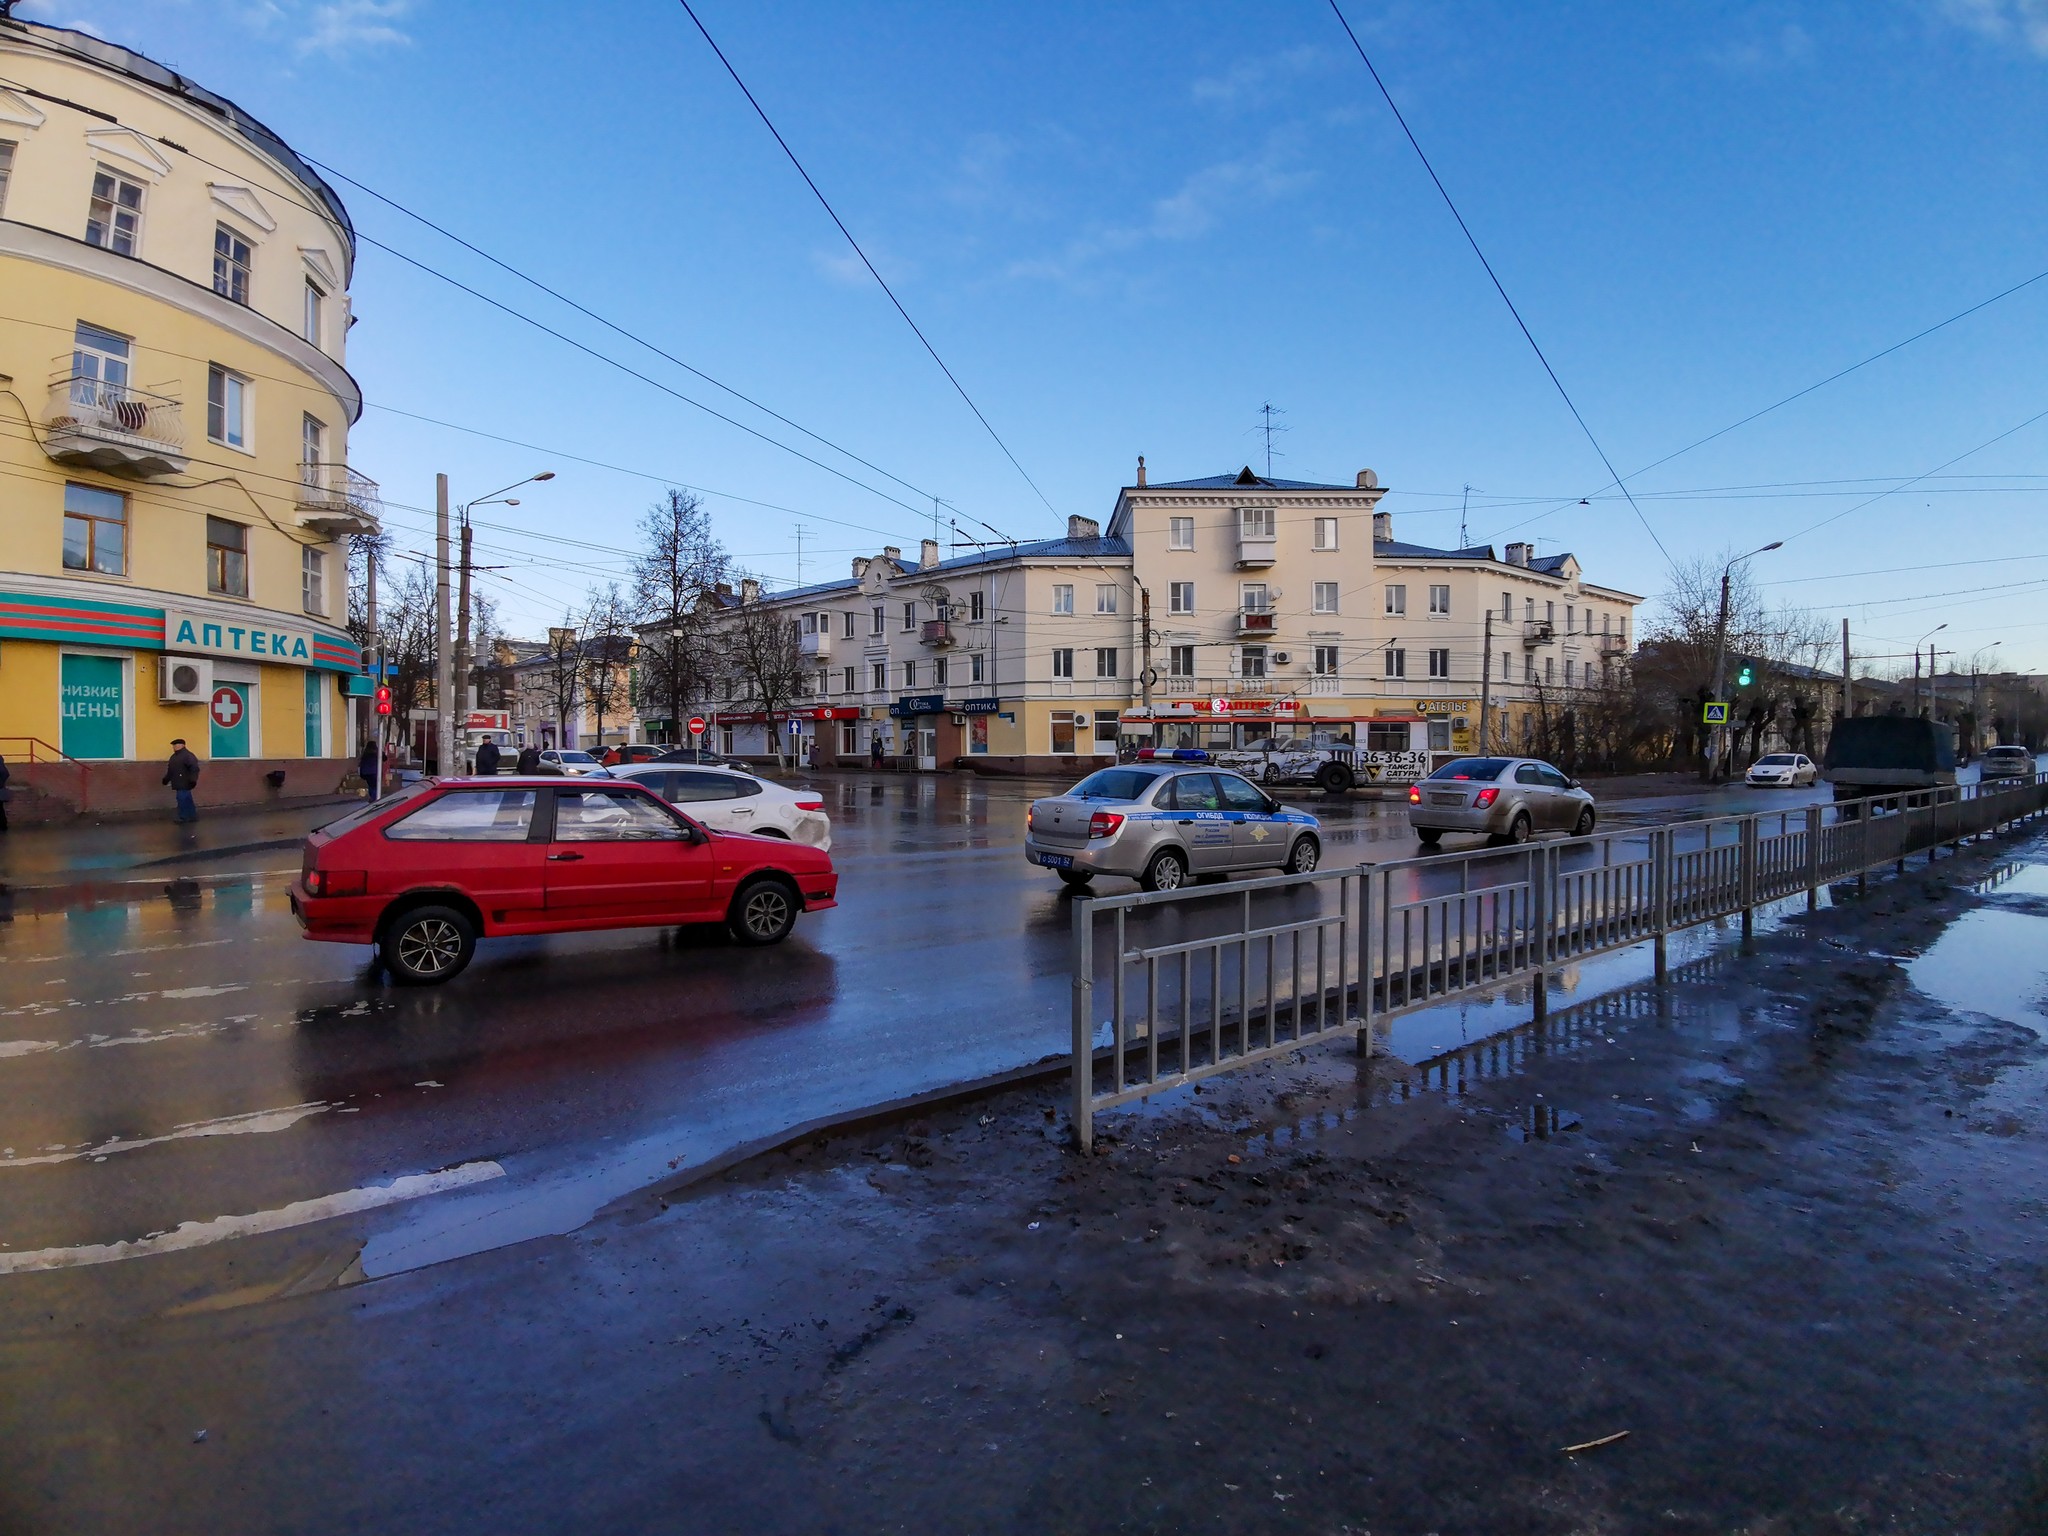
(366, 766)
(6, 794)
(487, 758)
(182, 774)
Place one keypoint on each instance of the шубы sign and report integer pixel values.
(212, 637)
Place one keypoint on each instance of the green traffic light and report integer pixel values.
(1742, 678)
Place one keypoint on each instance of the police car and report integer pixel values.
(1162, 824)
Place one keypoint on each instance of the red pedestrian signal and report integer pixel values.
(383, 700)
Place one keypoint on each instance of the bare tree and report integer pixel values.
(560, 670)
(761, 661)
(607, 652)
(361, 548)
(678, 564)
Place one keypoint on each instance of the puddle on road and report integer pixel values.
(1543, 1122)
(1989, 962)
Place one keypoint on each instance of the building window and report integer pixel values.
(1507, 608)
(313, 579)
(1107, 725)
(1396, 663)
(1549, 671)
(99, 366)
(849, 739)
(1105, 598)
(974, 661)
(848, 617)
(1251, 596)
(1570, 617)
(939, 670)
(1180, 661)
(1180, 597)
(1105, 661)
(1063, 662)
(312, 442)
(1550, 613)
(1324, 599)
(810, 624)
(95, 530)
(1439, 599)
(310, 323)
(227, 407)
(1397, 600)
(909, 616)
(1326, 661)
(1529, 610)
(875, 619)
(1529, 669)
(1062, 599)
(1063, 721)
(6, 170)
(880, 677)
(1180, 533)
(1326, 533)
(1606, 619)
(114, 220)
(230, 264)
(1568, 673)
(974, 608)
(227, 557)
(846, 679)
(909, 675)
(1251, 661)
(1255, 522)
(1507, 668)
(1440, 663)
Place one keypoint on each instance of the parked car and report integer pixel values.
(698, 755)
(567, 760)
(426, 873)
(1786, 770)
(733, 801)
(1320, 758)
(2006, 763)
(1161, 823)
(1885, 754)
(630, 752)
(1512, 798)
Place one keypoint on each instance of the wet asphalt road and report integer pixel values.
(180, 1072)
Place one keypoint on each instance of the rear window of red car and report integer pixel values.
(469, 816)
(362, 813)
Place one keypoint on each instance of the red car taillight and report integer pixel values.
(1415, 794)
(1484, 798)
(810, 805)
(1030, 817)
(1104, 824)
(336, 882)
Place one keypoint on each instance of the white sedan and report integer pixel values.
(729, 800)
(1783, 770)
(569, 761)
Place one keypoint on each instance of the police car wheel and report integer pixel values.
(1303, 857)
(1168, 871)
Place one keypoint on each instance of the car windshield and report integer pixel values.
(1775, 760)
(1472, 768)
(2010, 752)
(1114, 784)
(575, 757)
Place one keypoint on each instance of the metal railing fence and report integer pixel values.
(1206, 980)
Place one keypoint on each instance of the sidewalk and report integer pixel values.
(46, 855)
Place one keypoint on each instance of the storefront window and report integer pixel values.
(93, 706)
(1063, 731)
(316, 698)
(977, 733)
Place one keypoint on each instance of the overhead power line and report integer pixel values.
(1494, 278)
(1894, 490)
(826, 204)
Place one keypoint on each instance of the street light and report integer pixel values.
(1714, 741)
(1930, 666)
(452, 667)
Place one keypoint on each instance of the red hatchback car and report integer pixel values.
(426, 873)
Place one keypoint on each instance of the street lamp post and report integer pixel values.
(1717, 738)
(1930, 666)
(452, 668)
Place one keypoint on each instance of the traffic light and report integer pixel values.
(1745, 677)
(383, 700)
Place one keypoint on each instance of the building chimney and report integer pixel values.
(927, 554)
(1383, 527)
(1141, 469)
(750, 591)
(1367, 480)
(1079, 527)
(1518, 554)
(723, 589)
(893, 553)
(860, 566)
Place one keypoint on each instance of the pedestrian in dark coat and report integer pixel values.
(6, 794)
(487, 757)
(529, 760)
(182, 774)
(366, 766)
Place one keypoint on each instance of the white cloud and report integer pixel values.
(51, 14)
(845, 268)
(1249, 79)
(2022, 23)
(339, 27)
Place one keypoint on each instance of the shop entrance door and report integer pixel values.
(229, 710)
(927, 738)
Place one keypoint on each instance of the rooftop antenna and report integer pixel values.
(799, 554)
(1268, 426)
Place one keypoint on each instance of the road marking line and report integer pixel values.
(300, 1213)
(250, 1123)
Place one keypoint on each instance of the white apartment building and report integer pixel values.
(1211, 612)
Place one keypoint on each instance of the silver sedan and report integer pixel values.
(1512, 798)
(1161, 824)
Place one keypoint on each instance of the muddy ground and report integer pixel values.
(1780, 1227)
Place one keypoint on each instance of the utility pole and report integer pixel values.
(462, 657)
(444, 659)
(1848, 704)
(1145, 647)
(1916, 681)
(377, 652)
(1714, 733)
(1486, 686)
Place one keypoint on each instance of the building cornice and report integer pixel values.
(32, 242)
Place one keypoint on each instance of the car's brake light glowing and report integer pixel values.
(1030, 817)
(1415, 794)
(1486, 797)
(810, 805)
(336, 882)
(1104, 824)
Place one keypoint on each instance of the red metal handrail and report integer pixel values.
(40, 753)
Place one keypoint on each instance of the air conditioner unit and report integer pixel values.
(184, 679)
(959, 719)
(1280, 658)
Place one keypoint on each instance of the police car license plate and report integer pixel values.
(1056, 860)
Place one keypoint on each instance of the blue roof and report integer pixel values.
(1399, 550)
(1245, 477)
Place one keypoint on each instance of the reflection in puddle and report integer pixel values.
(1541, 1122)
(1986, 963)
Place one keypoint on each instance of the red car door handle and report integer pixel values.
(563, 858)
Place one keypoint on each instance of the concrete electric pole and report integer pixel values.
(444, 655)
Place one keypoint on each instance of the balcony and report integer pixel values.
(1255, 546)
(815, 646)
(113, 427)
(1538, 632)
(937, 633)
(1613, 645)
(1255, 622)
(336, 501)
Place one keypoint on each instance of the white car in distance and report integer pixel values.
(728, 800)
(1785, 770)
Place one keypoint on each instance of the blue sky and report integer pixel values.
(1125, 227)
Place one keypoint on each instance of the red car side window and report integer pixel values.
(469, 816)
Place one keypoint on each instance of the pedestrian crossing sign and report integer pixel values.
(1715, 713)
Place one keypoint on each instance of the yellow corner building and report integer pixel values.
(175, 501)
